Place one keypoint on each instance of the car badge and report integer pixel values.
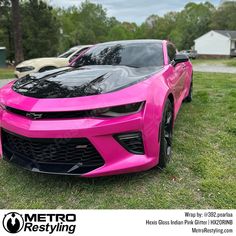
(34, 116)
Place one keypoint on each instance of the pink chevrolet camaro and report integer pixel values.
(111, 112)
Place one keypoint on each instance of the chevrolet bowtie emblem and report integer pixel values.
(34, 116)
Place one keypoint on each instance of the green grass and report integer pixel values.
(231, 62)
(6, 73)
(201, 175)
(227, 62)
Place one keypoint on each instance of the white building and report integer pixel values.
(217, 43)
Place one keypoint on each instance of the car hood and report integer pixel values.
(79, 82)
(37, 61)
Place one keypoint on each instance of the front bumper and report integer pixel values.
(100, 132)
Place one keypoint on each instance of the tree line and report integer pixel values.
(43, 30)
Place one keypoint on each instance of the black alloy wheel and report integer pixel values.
(189, 98)
(166, 135)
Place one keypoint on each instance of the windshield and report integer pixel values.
(131, 54)
(68, 53)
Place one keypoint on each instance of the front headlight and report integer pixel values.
(117, 111)
(25, 68)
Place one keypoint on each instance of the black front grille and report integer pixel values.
(132, 142)
(64, 152)
(50, 115)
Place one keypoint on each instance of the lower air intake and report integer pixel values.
(132, 142)
(68, 156)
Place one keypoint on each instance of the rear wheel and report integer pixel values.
(166, 135)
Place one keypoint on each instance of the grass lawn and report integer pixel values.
(7, 73)
(201, 175)
(231, 62)
(227, 62)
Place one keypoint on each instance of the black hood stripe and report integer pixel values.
(85, 81)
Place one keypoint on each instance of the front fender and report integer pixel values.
(157, 94)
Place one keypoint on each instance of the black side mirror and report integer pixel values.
(179, 58)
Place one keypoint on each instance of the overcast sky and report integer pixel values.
(133, 10)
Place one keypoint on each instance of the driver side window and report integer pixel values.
(171, 52)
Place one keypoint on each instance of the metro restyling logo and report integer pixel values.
(50, 223)
(13, 222)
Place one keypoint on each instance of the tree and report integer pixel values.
(87, 24)
(48, 31)
(122, 31)
(41, 29)
(164, 25)
(191, 23)
(118, 32)
(16, 20)
(93, 18)
(69, 27)
(6, 36)
(225, 17)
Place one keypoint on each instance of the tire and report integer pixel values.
(47, 68)
(166, 132)
(189, 98)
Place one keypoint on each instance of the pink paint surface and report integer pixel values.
(155, 91)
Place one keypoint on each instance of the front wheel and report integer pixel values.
(189, 98)
(166, 135)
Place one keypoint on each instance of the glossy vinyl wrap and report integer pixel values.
(84, 81)
(94, 87)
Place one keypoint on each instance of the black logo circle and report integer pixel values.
(13, 222)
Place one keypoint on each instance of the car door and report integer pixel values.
(178, 74)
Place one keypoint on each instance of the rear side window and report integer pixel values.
(171, 52)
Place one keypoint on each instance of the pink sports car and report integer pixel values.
(111, 112)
